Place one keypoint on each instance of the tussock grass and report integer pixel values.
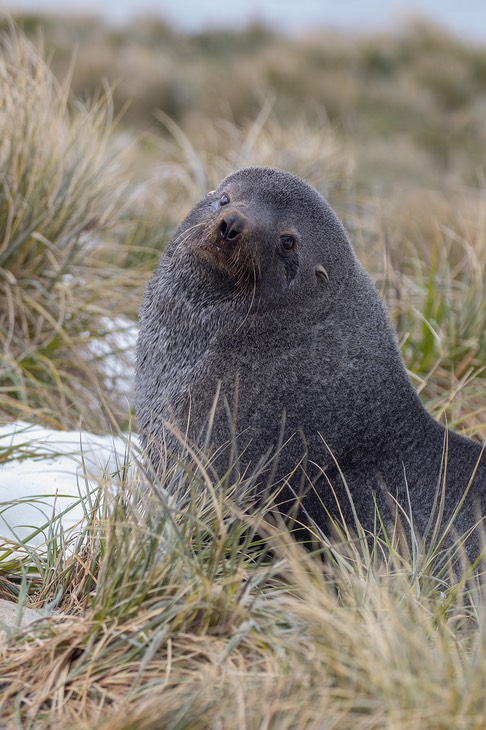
(60, 197)
(174, 614)
(433, 248)
(420, 90)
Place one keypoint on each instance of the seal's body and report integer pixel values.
(260, 303)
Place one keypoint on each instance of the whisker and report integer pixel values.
(185, 235)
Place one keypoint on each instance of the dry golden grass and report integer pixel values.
(60, 198)
(176, 618)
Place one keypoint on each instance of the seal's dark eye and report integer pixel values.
(288, 242)
(224, 199)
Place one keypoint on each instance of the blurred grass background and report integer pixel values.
(388, 127)
(169, 617)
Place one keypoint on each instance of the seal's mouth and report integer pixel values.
(209, 246)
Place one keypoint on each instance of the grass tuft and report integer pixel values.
(60, 196)
(170, 612)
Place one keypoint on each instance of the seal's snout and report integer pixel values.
(231, 227)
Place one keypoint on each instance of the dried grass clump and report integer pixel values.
(59, 198)
(433, 258)
(202, 156)
(419, 87)
(175, 615)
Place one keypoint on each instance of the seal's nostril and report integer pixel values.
(231, 227)
(232, 233)
(223, 229)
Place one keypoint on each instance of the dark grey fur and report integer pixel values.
(301, 335)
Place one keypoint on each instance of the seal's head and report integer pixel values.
(265, 228)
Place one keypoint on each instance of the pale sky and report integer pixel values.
(465, 17)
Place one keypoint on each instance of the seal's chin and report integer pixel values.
(216, 252)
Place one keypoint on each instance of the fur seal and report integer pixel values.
(260, 299)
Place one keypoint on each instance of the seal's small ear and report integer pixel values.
(321, 273)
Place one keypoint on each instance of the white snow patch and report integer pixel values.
(43, 473)
(117, 352)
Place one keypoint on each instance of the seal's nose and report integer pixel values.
(232, 226)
